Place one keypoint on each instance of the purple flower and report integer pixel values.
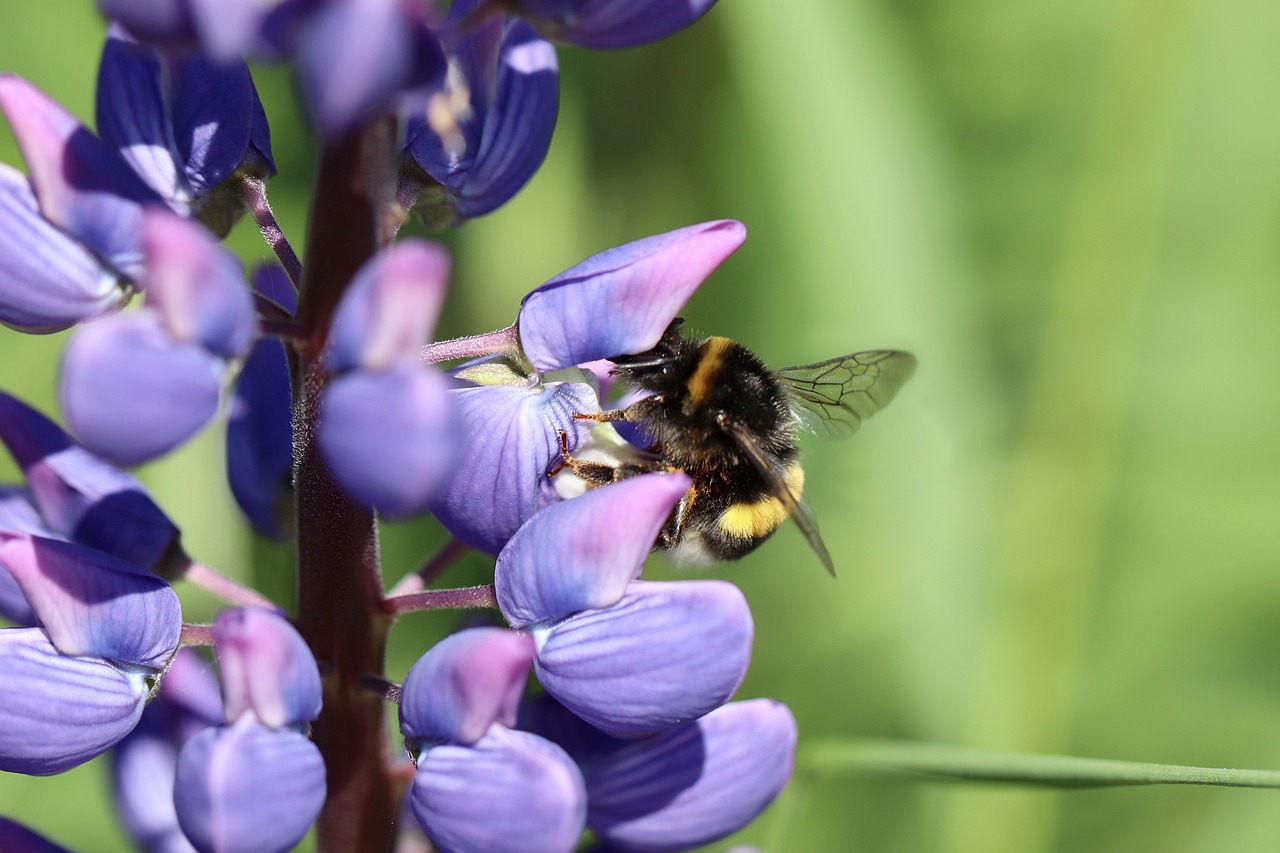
(684, 787)
(75, 495)
(144, 763)
(257, 783)
(76, 685)
(619, 301)
(69, 247)
(480, 785)
(185, 125)
(606, 24)
(380, 388)
(356, 56)
(488, 130)
(627, 656)
(260, 441)
(134, 386)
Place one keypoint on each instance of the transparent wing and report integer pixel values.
(775, 476)
(832, 398)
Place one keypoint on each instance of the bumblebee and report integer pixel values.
(715, 411)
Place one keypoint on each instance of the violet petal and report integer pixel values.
(464, 684)
(666, 654)
(266, 668)
(134, 120)
(504, 133)
(82, 186)
(390, 308)
(622, 300)
(246, 788)
(131, 393)
(57, 711)
(512, 792)
(47, 280)
(354, 58)
(260, 440)
(80, 496)
(196, 286)
(143, 765)
(510, 441)
(695, 784)
(580, 554)
(612, 24)
(408, 409)
(91, 603)
(155, 21)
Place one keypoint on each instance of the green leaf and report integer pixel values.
(963, 764)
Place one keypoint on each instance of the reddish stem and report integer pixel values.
(501, 342)
(465, 598)
(253, 192)
(430, 570)
(339, 578)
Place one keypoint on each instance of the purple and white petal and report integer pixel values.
(143, 765)
(266, 668)
(81, 184)
(196, 286)
(512, 792)
(580, 554)
(81, 497)
(410, 411)
(464, 684)
(133, 117)
(501, 135)
(57, 711)
(622, 300)
(91, 603)
(390, 308)
(214, 108)
(131, 393)
(354, 58)
(510, 439)
(666, 654)
(695, 784)
(47, 280)
(246, 788)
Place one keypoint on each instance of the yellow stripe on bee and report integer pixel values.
(756, 519)
(709, 362)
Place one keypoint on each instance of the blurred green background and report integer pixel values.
(1062, 537)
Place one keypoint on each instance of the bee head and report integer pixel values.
(657, 361)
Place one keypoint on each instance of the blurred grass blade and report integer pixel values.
(961, 764)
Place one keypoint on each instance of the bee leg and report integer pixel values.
(593, 473)
(602, 417)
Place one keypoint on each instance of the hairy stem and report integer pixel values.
(339, 577)
(465, 598)
(253, 192)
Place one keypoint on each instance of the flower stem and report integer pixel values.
(339, 578)
(195, 635)
(253, 192)
(430, 570)
(500, 342)
(464, 598)
(198, 574)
